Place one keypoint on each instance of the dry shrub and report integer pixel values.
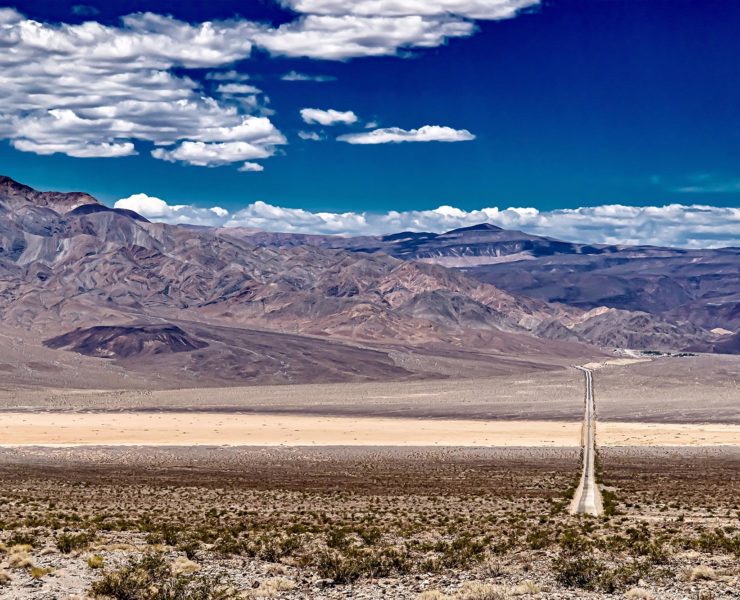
(4, 577)
(279, 584)
(184, 566)
(95, 561)
(432, 595)
(19, 557)
(638, 594)
(475, 590)
(23, 538)
(525, 588)
(701, 573)
(69, 542)
(20, 562)
(118, 547)
(39, 572)
(493, 566)
(275, 569)
(270, 588)
(150, 578)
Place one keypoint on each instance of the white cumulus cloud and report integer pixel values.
(98, 90)
(250, 167)
(393, 135)
(94, 90)
(311, 135)
(237, 89)
(212, 155)
(348, 36)
(296, 76)
(156, 209)
(229, 75)
(327, 117)
(689, 226)
(340, 30)
(471, 9)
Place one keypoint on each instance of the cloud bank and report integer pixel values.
(91, 90)
(156, 209)
(347, 36)
(470, 9)
(690, 226)
(395, 135)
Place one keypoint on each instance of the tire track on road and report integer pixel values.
(587, 499)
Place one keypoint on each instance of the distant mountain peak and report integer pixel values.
(408, 235)
(16, 194)
(7, 183)
(479, 227)
(89, 209)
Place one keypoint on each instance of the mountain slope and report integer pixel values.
(14, 196)
(62, 273)
(91, 266)
(700, 287)
(727, 344)
(479, 244)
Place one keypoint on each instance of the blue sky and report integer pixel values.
(559, 104)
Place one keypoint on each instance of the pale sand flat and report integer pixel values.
(616, 362)
(197, 429)
(202, 428)
(666, 434)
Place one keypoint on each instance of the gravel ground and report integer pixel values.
(504, 498)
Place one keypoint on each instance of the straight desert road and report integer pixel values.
(587, 499)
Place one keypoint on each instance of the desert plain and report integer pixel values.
(428, 489)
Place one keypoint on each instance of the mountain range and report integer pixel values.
(235, 305)
(697, 286)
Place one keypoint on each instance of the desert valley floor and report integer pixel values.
(425, 489)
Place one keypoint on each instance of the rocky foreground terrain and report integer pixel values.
(416, 524)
